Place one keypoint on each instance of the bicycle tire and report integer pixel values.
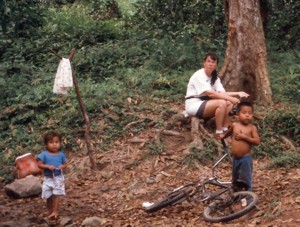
(231, 209)
(169, 200)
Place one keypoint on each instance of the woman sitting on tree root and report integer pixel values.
(207, 98)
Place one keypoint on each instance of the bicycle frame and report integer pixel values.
(210, 196)
(214, 167)
(220, 201)
(211, 180)
(214, 176)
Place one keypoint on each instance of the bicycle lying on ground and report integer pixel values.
(221, 201)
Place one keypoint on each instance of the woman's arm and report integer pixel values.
(240, 94)
(221, 95)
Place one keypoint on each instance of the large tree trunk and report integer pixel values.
(245, 60)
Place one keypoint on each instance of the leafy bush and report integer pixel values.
(284, 122)
(146, 57)
(290, 160)
(104, 9)
(283, 29)
(77, 26)
(280, 136)
(173, 16)
(285, 76)
(21, 18)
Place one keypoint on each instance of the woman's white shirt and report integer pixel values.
(199, 83)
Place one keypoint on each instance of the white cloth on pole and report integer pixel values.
(63, 77)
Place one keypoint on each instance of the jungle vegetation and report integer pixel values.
(144, 50)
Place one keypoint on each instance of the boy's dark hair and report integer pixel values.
(214, 57)
(244, 103)
(50, 135)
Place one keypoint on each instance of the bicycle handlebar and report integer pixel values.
(223, 143)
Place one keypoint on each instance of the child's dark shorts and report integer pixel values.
(242, 168)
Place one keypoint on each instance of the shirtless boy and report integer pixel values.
(244, 135)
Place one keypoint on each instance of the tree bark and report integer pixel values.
(245, 59)
(195, 133)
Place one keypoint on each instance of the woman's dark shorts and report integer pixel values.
(200, 111)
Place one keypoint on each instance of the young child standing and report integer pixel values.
(244, 135)
(52, 161)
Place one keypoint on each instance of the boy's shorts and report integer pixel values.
(53, 186)
(242, 171)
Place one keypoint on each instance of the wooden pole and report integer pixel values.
(83, 111)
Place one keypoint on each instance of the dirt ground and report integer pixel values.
(128, 175)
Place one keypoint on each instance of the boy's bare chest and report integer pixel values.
(243, 129)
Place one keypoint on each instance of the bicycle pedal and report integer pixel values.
(244, 202)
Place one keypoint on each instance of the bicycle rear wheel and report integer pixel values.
(230, 208)
(171, 199)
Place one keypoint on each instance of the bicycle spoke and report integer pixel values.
(235, 206)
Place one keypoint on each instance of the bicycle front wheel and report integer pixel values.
(234, 206)
(170, 200)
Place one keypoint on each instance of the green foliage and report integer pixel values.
(8, 174)
(280, 132)
(166, 57)
(155, 148)
(25, 123)
(283, 122)
(104, 9)
(175, 16)
(21, 18)
(290, 160)
(283, 28)
(174, 53)
(285, 76)
(126, 7)
(76, 25)
(19, 79)
(142, 50)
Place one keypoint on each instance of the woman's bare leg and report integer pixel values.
(216, 108)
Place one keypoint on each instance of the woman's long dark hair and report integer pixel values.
(214, 75)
